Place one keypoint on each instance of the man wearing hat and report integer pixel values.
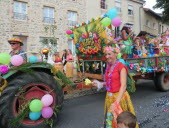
(16, 48)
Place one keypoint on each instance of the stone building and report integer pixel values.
(129, 11)
(33, 20)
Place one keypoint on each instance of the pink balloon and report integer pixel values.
(116, 22)
(16, 60)
(69, 32)
(47, 100)
(47, 112)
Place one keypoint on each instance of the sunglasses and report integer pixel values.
(13, 43)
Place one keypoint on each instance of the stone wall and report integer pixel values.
(33, 28)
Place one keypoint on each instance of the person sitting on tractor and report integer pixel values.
(17, 49)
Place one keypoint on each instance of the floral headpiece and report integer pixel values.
(110, 48)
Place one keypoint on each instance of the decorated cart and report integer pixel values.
(91, 37)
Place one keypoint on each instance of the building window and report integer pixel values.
(130, 9)
(48, 15)
(49, 42)
(118, 5)
(71, 46)
(72, 18)
(147, 23)
(20, 10)
(154, 25)
(103, 4)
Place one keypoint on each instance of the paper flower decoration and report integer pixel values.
(88, 82)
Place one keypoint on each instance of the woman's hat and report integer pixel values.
(56, 53)
(16, 40)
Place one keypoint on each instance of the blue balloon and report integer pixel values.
(112, 13)
(33, 59)
(122, 61)
(34, 115)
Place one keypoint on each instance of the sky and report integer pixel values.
(150, 4)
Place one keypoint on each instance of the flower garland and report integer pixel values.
(113, 49)
(109, 74)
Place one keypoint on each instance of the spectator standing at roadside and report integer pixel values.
(64, 55)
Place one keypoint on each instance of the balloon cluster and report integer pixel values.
(69, 34)
(41, 107)
(111, 18)
(5, 59)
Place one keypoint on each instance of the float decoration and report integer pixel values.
(89, 39)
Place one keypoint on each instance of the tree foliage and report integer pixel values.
(163, 4)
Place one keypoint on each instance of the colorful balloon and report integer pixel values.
(16, 60)
(119, 56)
(4, 69)
(69, 32)
(106, 21)
(47, 100)
(122, 61)
(33, 59)
(34, 115)
(5, 58)
(35, 105)
(112, 13)
(72, 35)
(47, 112)
(116, 22)
(68, 36)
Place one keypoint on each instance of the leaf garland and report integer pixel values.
(23, 113)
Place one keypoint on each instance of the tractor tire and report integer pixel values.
(161, 82)
(39, 81)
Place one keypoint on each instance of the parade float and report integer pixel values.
(92, 36)
(31, 94)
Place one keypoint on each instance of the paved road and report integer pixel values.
(152, 109)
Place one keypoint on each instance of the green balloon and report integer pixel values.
(35, 105)
(106, 21)
(119, 56)
(68, 36)
(5, 58)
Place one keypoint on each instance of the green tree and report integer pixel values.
(163, 4)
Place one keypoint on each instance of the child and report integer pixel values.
(136, 48)
(126, 120)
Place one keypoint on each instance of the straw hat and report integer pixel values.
(16, 40)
